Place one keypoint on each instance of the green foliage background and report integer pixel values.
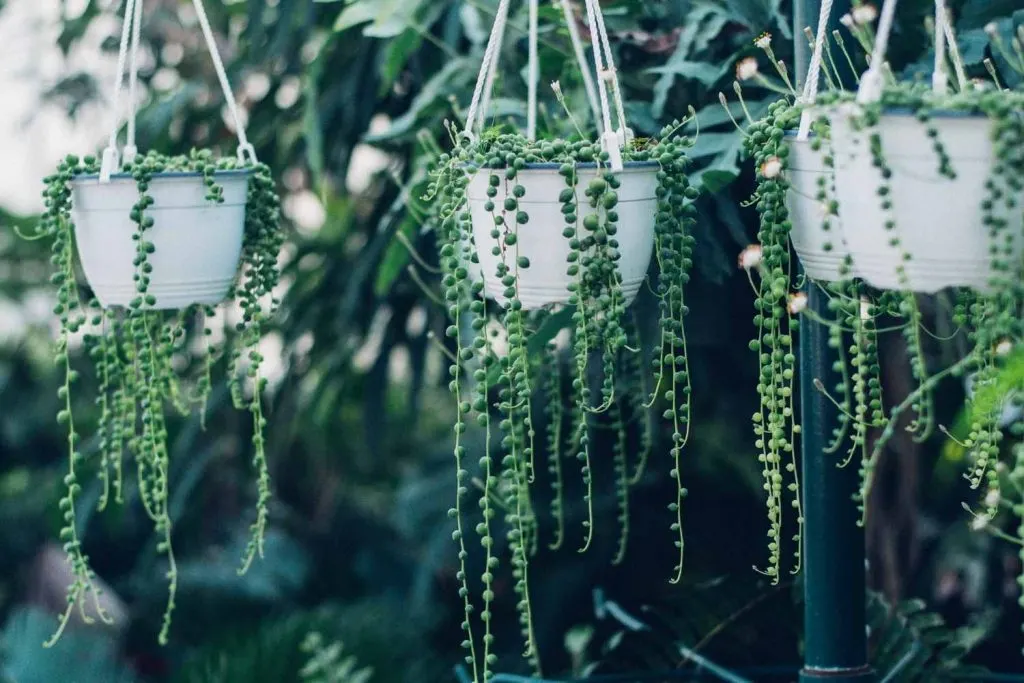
(359, 423)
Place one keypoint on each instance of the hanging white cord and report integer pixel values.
(485, 100)
(624, 133)
(872, 82)
(490, 53)
(244, 148)
(810, 92)
(110, 159)
(609, 139)
(599, 102)
(130, 150)
(954, 48)
(606, 119)
(581, 60)
(940, 81)
(533, 71)
(133, 20)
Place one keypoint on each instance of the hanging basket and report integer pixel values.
(546, 281)
(938, 222)
(928, 231)
(818, 242)
(197, 243)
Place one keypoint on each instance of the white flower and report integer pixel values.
(864, 14)
(992, 498)
(846, 20)
(764, 41)
(979, 522)
(750, 257)
(1004, 347)
(771, 168)
(557, 87)
(797, 303)
(746, 68)
(992, 29)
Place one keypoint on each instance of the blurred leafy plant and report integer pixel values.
(354, 429)
(306, 647)
(92, 656)
(908, 642)
(328, 664)
(912, 644)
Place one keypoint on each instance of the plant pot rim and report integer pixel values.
(554, 165)
(934, 113)
(232, 172)
(907, 112)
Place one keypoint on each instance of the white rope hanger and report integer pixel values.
(612, 139)
(131, 29)
(810, 92)
(871, 83)
(871, 90)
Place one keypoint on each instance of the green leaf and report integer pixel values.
(311, 128)
(353, 15)
(991, 397)
(706, 73)
(396, 56)
(977, 13)
(725, 167)
(473, 25)
(716, 180)
(548, 330)
(693, 27)
(711, 144)
(390, 17)
(396, 258)
(433, 94)
(973, 46)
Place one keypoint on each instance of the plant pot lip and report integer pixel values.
(907, 112)
(935, 113)
(554, 165)
(232, 172)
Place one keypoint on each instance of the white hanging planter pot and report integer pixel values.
(198, 243)
(938, 221)
(818, 243)
(540, 240)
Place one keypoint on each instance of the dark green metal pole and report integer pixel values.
(835, 638)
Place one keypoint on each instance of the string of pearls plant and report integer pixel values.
(989, 318)
(498, 382)
(775, 317)
(134, 350)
